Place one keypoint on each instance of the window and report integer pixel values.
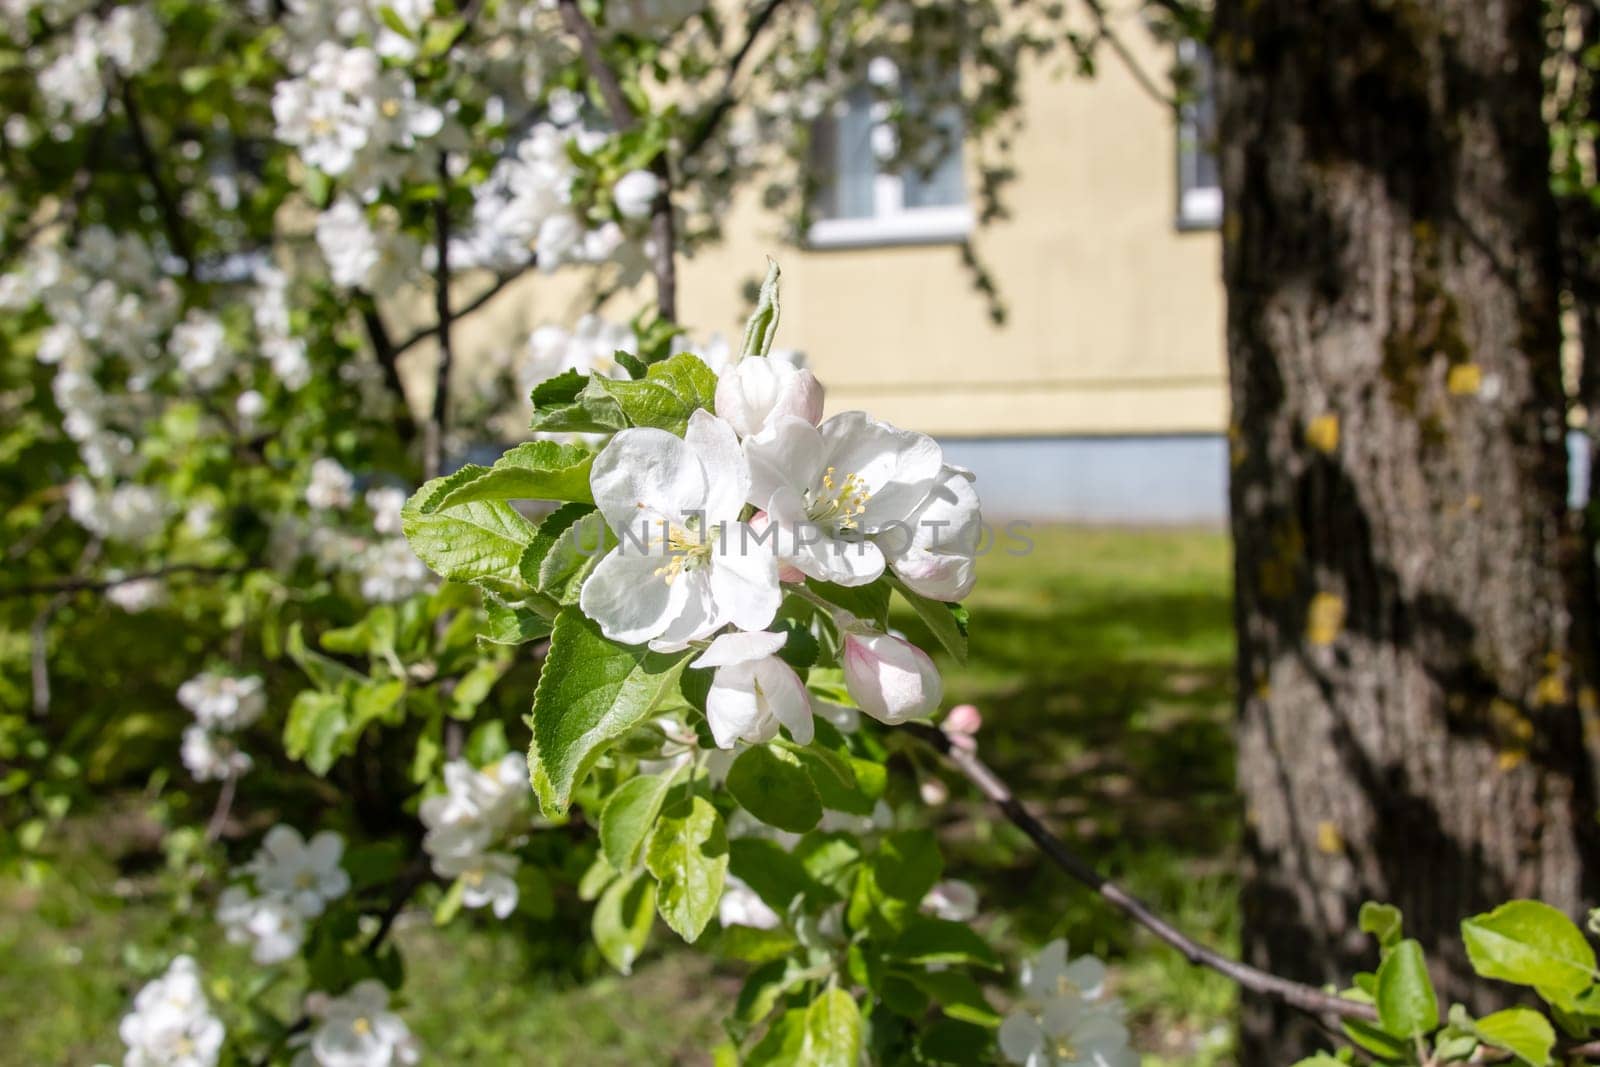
(1199, 188)
(862, 202)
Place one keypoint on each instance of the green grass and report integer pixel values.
(1102, 664)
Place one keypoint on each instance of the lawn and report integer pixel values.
(1102, 664)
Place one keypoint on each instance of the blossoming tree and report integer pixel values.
(268, 567)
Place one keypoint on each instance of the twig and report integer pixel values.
(494, 290)
(219, 814)
(663, 228)
(171, 214)
(68, 586)
(383, 348)
(1140, 75)
(1296, 995)
(707, 126)
(439, 419)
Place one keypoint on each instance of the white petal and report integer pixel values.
(740, 647)
(898, 467)
(699, 615)
(787, 455)
(647, 475)
(727, 475)
(744, 578)
(629, 601)
(1020, 1037)
(786, 696)
(936, 550)
(732, 710)
(833, 559)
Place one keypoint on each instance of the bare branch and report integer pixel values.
(439, 419)
(383, 348)
(1313, 1001)
(1104, 31)
(171, 214)
(494, 290)
(663, 228)
(707, 127)
(68, 586)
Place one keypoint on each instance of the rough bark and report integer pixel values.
(1410, 604)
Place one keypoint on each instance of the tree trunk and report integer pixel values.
(1413, 632)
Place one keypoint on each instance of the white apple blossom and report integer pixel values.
(477, 806)
(224, 701)
(741, 906)
(355, 1029)
(385, 502)
(390, 571)
(72, 84)
(753, 691)
(171, 1024)
(890, 679)
(307, 875)
(754, 393)
(635, 193)
(833, 490)
(361, 253)
(129, 513)
(685, 564)
(133, 38)
(211, 757)
(952, 900)
(137, 595)
(650, 17)
(249, 405)
(487, 879)
(268, 923)
(936, 551)
(200, 347)
(1066, 1018)
(331, 485)
(588, 348)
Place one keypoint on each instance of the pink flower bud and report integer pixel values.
(892, 680)
(758, 390)
(963, 719)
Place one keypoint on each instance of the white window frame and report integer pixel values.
(1199, 207)
(892, 223)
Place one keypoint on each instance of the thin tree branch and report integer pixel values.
(171, 214)
(706, 128)
(501, 281)
(1305, 998)
(219, 814)
(69, 586)
(439, 419)
(663, 228)
(1104, 31)
(383, 348)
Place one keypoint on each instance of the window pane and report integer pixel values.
(1197, 160)
(944, 184)
(844, 159)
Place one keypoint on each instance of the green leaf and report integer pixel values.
(771, 784)
(947, 622)
(1407, 1006)
(572, 556)
(1523, 1032)
(565, 403)
(947, 1041)
(1382, 921)
(906, 864)
(774, 874)
(535, 470)
(688, 854)
(622, 919)
(511, 624)
(782, 1044)
(628, 816)
(325, 672)
(450, 904)
(1530, 943)
(666, 396)
(763, 324)
(869, 602)
(315, 728)
(591, 692)
(957, 994)
(471, 542)
(940, 941)
(1320, 1059)
(833, 1031)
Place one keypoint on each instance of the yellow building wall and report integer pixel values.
(1115, 321)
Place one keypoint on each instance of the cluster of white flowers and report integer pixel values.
(840, 502)
(476, 811)
(294, 880)
(354, 1029)
(222, 705)
(331, 486)
(1066, 1017)
(128, 513)
(650, 17)
(127, 41)
(367, 250)
(136, 594)
(384, 565)
(350, 116)
(285, 352)
(199, 347)
(952, 900)
(171, 1024)
(109, 302)
(526, 208)
(589, 347)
